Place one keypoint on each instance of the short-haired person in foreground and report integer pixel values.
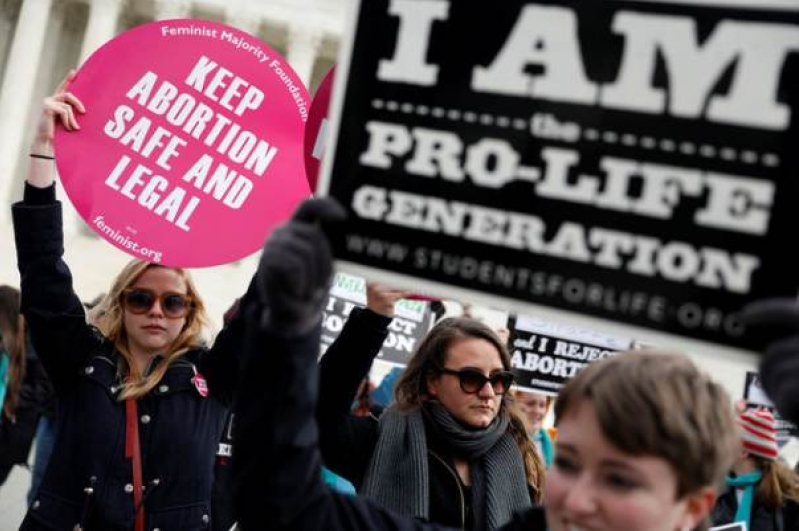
(644, 439)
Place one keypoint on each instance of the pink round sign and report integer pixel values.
(316, 130)
(190, 150)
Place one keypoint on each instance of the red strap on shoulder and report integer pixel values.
(133, 452)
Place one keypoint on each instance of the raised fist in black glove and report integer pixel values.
(293, 277)
(774, 325)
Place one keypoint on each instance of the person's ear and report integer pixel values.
(432, 382)
(697, 506)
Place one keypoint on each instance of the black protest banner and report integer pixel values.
(545, 355)
(756, 397)
(627, 160)
(412, 319)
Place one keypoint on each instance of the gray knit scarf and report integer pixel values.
(398, 478)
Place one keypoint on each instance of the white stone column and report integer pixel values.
(243, 20)
(63, 22)
(303, 45)
(169, 9)
(8, 13)
(15, 94)
(102, 25)
(240, 14)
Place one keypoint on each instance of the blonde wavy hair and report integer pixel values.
(411, 390)
(779, 482)
(109, 319)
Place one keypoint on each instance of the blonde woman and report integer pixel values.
(535, 407)
(141, 403)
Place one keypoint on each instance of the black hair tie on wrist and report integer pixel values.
(45, 157)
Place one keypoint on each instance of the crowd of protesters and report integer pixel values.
(644, 439)
(149, 416)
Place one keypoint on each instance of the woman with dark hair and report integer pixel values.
(12, 347)
(26, 385)
(138, 424)
(452, 449)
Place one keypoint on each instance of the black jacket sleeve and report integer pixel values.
(54, 314)
(277, 466)
(36, 392)
(347, 441)
(221, 364)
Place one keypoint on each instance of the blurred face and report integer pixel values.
(475, 410)
(534, 406)
(152, 332)
(594, 486)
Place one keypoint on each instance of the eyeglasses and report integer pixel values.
(141, 300)
(472, 380)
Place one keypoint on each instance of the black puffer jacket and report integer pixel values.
(88, 483)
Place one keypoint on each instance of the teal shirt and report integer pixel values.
(336, 482)
(3, 376)
(544, 444)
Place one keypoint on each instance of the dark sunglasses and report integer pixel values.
(141, 300)
(472, 380)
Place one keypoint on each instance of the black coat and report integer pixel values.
(277, 463)
(762, 518)
(88, 482)
(222, 498)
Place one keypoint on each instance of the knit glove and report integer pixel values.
(774, 324)
(293, 277)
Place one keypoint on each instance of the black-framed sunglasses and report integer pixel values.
(472, 380)
(141, 300)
